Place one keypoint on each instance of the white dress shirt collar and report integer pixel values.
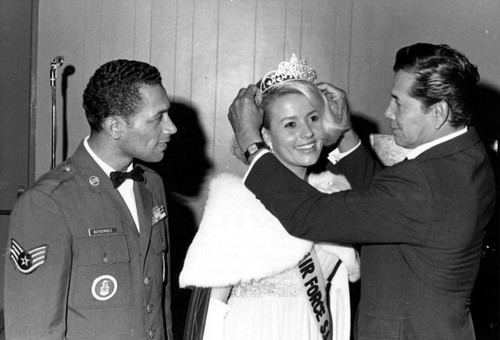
(413, 153)
(126, 190)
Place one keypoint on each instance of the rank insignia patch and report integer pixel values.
(27, 261)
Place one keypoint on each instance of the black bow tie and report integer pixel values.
(118, 177)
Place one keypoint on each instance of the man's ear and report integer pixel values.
(441, 114)
(113, 126)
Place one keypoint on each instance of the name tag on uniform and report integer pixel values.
(158, 213)
(103, 231)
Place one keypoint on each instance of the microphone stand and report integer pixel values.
(57, 62)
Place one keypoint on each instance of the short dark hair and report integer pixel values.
(441, 74)
(113, 90)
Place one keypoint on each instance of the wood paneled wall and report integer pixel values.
(381, 27)
(207, 50)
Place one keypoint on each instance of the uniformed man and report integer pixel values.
(88, 245)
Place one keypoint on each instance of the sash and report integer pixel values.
(313, 285)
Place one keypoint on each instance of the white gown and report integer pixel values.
(241, 244)
(275, 308)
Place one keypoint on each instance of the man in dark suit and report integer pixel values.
(89, 243)
(420, 223)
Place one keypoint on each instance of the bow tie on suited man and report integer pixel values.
(118, 177)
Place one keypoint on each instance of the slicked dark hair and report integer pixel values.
(113, 90)
(441, 74)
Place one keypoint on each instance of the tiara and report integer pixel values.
(288, 70)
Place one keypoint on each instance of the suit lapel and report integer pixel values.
(144, 201)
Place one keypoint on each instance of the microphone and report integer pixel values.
(57, 62)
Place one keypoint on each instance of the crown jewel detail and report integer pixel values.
(294, 69)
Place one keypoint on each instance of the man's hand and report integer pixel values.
(339, 120)
(246, 117)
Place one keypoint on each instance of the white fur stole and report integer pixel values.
(239, 240)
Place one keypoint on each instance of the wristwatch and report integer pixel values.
(253, 148)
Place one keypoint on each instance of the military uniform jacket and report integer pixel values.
(421, 226)
(78, 268)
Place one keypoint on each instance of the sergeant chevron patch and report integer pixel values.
(27, 261)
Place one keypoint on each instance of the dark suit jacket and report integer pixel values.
(421, 226)
(100, 278)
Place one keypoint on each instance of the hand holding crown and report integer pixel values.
(246, 117)
(339, 122)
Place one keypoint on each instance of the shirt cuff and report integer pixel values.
(335, 156)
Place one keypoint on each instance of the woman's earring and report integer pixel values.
(270, 145)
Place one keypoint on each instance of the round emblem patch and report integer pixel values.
(104, 287)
